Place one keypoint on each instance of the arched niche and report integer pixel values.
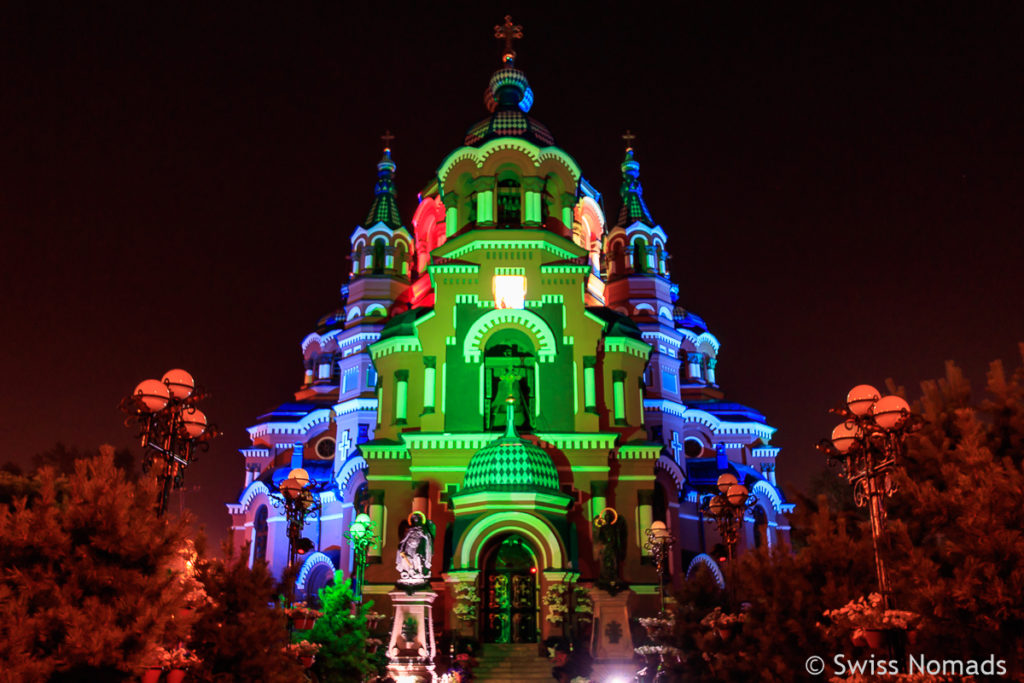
(509, 371)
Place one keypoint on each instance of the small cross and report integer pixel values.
(387, 138)
(628, 136)
(508, 32)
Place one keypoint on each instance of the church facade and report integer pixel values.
(513, 365)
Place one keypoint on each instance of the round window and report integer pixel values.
(693, 448)
(325, 448)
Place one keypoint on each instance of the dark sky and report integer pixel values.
(842, 187)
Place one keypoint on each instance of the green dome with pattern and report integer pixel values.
(510, 463)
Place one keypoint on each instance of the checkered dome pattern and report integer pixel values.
(510, 464)
(506, 77)
(510, 123)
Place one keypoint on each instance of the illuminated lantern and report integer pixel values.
(152, 395)
(179, 383)
(194, 421)
(844, 436)
(726, 481)
(890, 412)
(297, 480)
(659, 530)
(737, 495)
(860, 399)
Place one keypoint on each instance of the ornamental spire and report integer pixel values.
(634, 208)
(385, 203)
(508, 32)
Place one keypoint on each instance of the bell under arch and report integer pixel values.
(509, 371)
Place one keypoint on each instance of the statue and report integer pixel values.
(610, 532)
(510, 386)
(415, 552)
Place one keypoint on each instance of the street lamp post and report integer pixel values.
(659, 543)
(729, 507)
(361, 537)
(867, 444)
(171, 428)
(297, 495)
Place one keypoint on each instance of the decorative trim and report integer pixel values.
(472, 346)
(709, 562)
(313, 561)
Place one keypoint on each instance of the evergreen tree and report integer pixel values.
(240, 634)
(955, 552)
(342, 632)
(775, 603)
(89, 585)
(957, 522)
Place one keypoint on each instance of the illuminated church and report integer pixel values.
(509, 295)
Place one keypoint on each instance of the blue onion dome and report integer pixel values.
(510, 463)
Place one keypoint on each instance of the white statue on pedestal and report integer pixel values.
(415, 552)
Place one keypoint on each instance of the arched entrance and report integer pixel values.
(509, 608)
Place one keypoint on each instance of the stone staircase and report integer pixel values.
(515, 663)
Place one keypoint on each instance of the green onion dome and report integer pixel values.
(511, 463)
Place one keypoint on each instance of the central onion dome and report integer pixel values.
(510, 463)
(509, 97)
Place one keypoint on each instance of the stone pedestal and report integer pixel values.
(611, 639)
(411, 649)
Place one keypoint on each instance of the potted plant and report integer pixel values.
(556, 599)
(176, 661)
(373, 620)
(303, 650)
(724, 624)
(410, 628)
(466, 600)
(303, 616)
(867, 620)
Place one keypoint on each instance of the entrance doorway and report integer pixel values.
(510, 603)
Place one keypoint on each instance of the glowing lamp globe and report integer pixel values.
(737, 495)
(890, 412)
(195, 422)
(717, 506)
(152, 395)
(357, 529)
(297, 480)
(300, 475)
(659, 530)
(860, 399)
(726, 481)
(179, 383)
(844, 436)
(363, 519)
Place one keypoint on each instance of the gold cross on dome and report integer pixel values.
(508, 32)
(628, 137)
(387, 138)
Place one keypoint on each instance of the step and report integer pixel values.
(512, 663)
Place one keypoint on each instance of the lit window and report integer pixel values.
(509, 291)
(324, 372)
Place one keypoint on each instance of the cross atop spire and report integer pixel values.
(508, 32)
(387, 138)
(628, 137)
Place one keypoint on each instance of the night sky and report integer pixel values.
(843, 189)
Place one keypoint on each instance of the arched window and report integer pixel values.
(509, 201)
(760, 528)
(659, 266)
(400, 264)
(357, 260)
(379, 250)
(618, 259)
(259, 525)
(639, 255)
